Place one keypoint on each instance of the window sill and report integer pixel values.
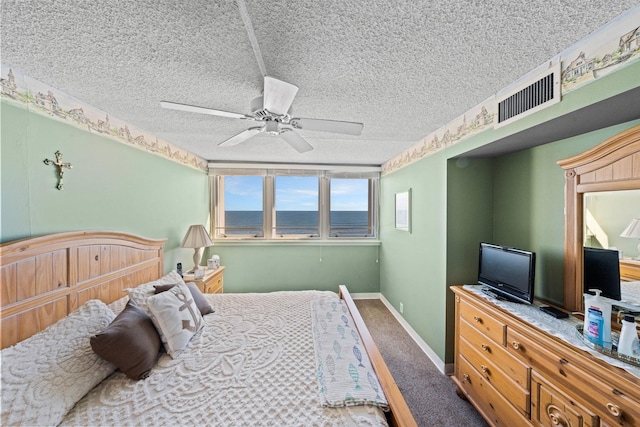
(305, 242)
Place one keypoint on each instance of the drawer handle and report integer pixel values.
(516, 345)
(485, 347)
(465, 378)
(477, 319)
(556, 416)
(614, 409)
(484, 369)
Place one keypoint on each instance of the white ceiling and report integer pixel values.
(403, 68)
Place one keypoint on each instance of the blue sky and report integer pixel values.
(294, 193)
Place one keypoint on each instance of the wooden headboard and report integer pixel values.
(45, 278)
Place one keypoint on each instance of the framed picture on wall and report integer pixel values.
(403, 211)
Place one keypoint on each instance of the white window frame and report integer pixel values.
(217, 171)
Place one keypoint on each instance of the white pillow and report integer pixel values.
(176, 317)
(141, 293)
(46, 374)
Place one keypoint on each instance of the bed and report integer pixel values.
(235, 369)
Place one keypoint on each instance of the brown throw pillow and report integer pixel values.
(201, 302)
(130, 342)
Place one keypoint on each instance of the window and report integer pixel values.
(294, 204)
(350, 214)
(242, 203)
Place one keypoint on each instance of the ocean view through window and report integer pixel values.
(292, 205)
(349, 212)
(296, 203)
(243, 202)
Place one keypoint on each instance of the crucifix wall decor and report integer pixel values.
(61, 167)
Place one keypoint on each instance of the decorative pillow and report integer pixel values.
(130, 342)
(176, 317)
(46, 374)
(141, 293)
(202, 303)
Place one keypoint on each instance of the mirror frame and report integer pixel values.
(612, 165)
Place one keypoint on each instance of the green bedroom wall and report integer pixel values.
(413, 265)
(288, 267)
(116, 187)
(516, 199)
(111, 187)
(529, 204)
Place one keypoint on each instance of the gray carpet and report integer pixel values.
(431, 396)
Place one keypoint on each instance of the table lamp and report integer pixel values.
(633, 232)
(197, 238)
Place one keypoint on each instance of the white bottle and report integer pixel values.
(628, 344)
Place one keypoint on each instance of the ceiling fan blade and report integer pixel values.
(201, 110)
(241, 137)
(296, 141)
(349, 128)
(278, 95)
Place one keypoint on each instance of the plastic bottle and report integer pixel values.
(597, 319)
(628, 344)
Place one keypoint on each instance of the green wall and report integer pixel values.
(111, 187)
(292, 266)
(515, 199)
(116, 187)
(413, 265)
(529, 205)
(456, 202)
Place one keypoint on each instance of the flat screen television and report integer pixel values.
(507, 272)
(602, 271)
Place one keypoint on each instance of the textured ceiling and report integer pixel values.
(403, 68)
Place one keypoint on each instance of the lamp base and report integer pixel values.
(197, 257)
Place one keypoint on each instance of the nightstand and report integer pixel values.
(211, 283)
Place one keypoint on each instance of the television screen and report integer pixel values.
(602, 271)
(507, 271)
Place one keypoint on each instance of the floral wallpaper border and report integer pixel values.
(607, 50)
(44, 99)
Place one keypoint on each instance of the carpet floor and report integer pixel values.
(431, 396)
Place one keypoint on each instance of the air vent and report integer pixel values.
(532, 95)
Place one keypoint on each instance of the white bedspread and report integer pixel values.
(253, 364)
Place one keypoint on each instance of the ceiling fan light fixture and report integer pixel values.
(272, 127)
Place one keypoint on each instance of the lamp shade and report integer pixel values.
(632, 230)
(196, 237)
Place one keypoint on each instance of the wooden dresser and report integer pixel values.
(515, 374)
(211, 283)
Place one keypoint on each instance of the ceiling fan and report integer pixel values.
(273, 110)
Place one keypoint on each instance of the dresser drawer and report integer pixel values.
(550, 407)
(517, 394)
(615, 404)
(486, 398)
(496, 354)
(483, 322)
(214, 286)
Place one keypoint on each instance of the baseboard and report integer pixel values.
(446, 369)
(370, 295)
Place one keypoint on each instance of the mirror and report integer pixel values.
(611, 166)
(606, 215)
